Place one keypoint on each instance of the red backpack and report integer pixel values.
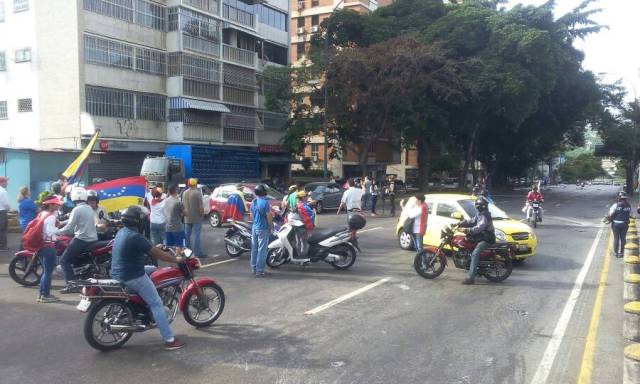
(32, 237)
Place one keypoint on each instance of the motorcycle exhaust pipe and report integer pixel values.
(332, 257)
(228, 241)
(128, 328)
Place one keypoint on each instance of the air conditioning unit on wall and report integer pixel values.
(300, 30)
(314, 28)
(314, 158)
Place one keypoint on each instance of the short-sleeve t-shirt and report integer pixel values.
(192, 200)
(128, 255)
(259, 211)
(172, 211)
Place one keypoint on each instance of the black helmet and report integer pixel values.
(356, 221)
(92, 196)
(481, 203)
(134, 217)
(260, 190)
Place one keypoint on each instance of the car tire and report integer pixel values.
(405, 241)
(215, 219)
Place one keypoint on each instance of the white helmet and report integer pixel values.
(79, 194)
(68, 189)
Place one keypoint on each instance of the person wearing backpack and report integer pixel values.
(418, 216)
(46, 221)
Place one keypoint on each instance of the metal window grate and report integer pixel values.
(1, 11)
(3, 61)
(151, 107)
(112, 53)
(197, 67)
(200, 89)
(118, 9)
(210, 6)
(3, 110)
(111, 102)
(151, 61)
(150, 15)
(20, 5)
(139, 12)
(25, 105)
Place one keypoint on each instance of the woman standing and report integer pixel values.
(47, 253)
(27, 209)
(619, 215)
(157, 217)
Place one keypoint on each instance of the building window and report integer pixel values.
(315, 149)
(151, 107)
(151, 61)
(194, 24)
(139, 12)
(315, 20)
(315, 3)
(150, 15)
(300, 22)
(20, 5)
(119, 9)
(299, 50)
(3, 61)
(109, 102)
(3, 110)
(25, 105)
(23, 55)
(274, 53)
(272, 17)
(1, 11)
(197, 67)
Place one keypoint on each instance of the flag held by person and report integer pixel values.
(116, 195)
(74, 171)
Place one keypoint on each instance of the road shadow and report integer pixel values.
(543, 262)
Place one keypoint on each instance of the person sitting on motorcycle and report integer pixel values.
(102, 220)
(479, 228)
(82, 224)
(307, 215)
(533, 197)
(130, 249)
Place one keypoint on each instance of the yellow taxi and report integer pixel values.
(443, 206)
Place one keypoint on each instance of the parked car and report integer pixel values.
(220, 195)
(324, 195)
(443, 206)
(206, 195)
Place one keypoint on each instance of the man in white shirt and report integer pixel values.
(351, 198)
(4, 210)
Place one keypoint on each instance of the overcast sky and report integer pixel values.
(617, 50)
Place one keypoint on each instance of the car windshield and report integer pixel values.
(319, 189)
(273, 194)
(470, 208)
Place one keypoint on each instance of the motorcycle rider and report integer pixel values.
(307, 215)
(479, 228)
(533, 197)
(102, 222)
(130, 248)
(619, 215)
(82, 224)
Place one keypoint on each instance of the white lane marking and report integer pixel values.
(544, 368)
(346, 297)
(219, 262)
(370, 229)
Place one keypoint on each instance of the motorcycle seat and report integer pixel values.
(322, 234)
(98, 244)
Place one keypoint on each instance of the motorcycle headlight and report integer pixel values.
(501, 236)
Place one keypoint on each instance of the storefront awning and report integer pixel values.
(184, 103)
(282, 159)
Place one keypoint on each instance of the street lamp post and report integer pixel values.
(325, 170)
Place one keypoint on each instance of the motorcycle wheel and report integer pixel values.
(503, 266)
(21, 273)
(276, 257)
(534, 221)
(214, 295)
(348, 257)
(96, 325)
(231, 250)
(428, 265)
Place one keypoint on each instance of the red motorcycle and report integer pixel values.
(116, 313)
(26, 269)
(496, 262)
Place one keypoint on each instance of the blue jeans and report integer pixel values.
(144, 287)
(259, 244)
(75, 248)
(417, 241)
(175, 239)
(47, 257)
(475, 258)
(195, 229)
(619, 237)
(157, 233)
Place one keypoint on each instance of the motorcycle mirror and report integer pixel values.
(187, 252)
(456, 215)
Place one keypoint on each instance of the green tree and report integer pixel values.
(582, 166)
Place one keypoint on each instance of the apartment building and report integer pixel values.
(145, 73)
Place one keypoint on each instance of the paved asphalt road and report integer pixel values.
(405, 330)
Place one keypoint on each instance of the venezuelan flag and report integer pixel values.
(75, 170)
(116, 195)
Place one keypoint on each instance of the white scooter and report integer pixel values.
(337, 246)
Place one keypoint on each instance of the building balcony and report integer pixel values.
(239, 56)
(273, 121)
(200, 45)
(239, 16)
(205, 133)
(209, 6)
(239, 136)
